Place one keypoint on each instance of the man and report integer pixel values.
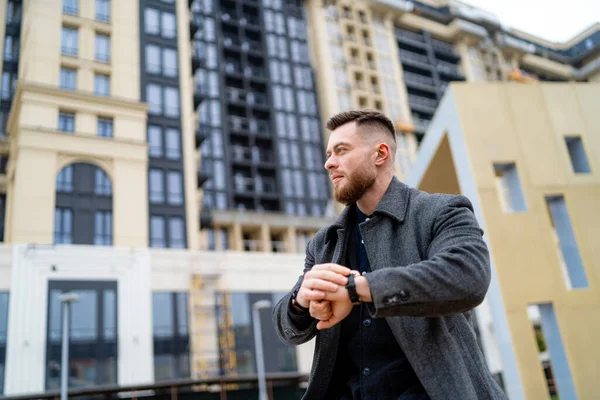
(388, 288)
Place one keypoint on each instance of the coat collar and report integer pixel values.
(393, 204)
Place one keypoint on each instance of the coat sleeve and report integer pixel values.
(454, 278)
(287, 327)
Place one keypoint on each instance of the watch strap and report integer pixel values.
(296, 304)
(351, 286)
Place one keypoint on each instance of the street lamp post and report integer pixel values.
(66, 299)
(258, 346)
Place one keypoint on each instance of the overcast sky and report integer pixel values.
(553, 20)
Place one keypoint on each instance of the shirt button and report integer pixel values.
(366, 371)
(367, 322)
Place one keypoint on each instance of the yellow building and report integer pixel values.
(527, 156)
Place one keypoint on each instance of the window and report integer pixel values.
(176, 233)
(509, 188)
(8, 84)
(171, 335)
(102, 186)
(175, 188)
(105, 127)
(103, 10)
(153, 59)
(579, 159)
(93, 340)
(571, 263)
(101, 85)
(154, 98)
(551, 350)
(66, 122)
(155, 141)
(103, 228)
(171, 102)
(69, 41)
(157, 232)
(151, 21)
(11, 48)
(157, 186)
(169, 27)
(71, 7)
(63, 226)
(68, 78)
(170, 62)
(64, 180)
(102, 48)
(173, 144)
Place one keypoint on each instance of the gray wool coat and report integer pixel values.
(430, 267)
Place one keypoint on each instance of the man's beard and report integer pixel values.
(356, 186)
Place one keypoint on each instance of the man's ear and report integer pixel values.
(383, 154)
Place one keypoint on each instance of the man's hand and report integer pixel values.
(320, 309)
(322, 279)
(339, 305)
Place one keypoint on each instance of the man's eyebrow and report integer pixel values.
(338, 145)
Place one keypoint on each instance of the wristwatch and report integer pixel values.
(296, 304)
(351, 286)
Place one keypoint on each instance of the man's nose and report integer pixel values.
(330, 163)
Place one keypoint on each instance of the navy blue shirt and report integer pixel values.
(370, 364)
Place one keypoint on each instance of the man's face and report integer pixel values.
(351, 164)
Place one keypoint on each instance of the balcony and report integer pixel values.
(257, 99)
(201, 134)
(200, 93)
(420, 124)
(201, 178)
(252, 20)
(260, 126)
(265, 185)
(412, 38)
(243, 184)
(443, 48)
(235, 95)
(239, 124)
(449, 69)
(422, 103)
(419, 81)
(231, 42)
(206, 218)
(241, 154)
(419, 60)
(229, 15)
(194, 26)
(197, 59)
(232, 67)
(255, 72)
(253, 45)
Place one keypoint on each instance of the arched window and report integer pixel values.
(83, 213)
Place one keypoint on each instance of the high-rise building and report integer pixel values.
(154, 154)
(398, 57)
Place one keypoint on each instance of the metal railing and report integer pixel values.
(416, 78)
(448, 68)
(233, 67)
(257, 98)
(443, 47)
(417, 37)
(234, 94)
(422, 101)
(173, 389)
(409, 55)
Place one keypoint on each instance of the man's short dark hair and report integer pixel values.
(363, 118)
